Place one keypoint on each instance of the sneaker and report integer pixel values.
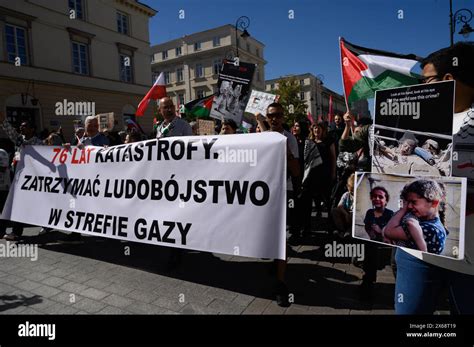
(281, 295)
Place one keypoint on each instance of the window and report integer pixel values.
(197, 46)
(80, 58)
(122, 23)
(15, 38)
(77, 7)
(301, 82)
(248, 48)
(217, 66)
(302, 95)
(257, 52)
(258, 76)
(199, 70)
(164, 55)
(179, 74)
(178, 51)
(181, 98)
(200, 93)
(125, 68)
(216, 41)
(272, 86)
(167, 77)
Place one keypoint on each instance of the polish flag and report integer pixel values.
(157, 91)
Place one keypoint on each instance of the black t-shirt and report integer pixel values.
(381, 221)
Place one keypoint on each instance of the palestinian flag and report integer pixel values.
(366, 70)
(199, 107)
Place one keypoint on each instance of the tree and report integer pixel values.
(289, 90)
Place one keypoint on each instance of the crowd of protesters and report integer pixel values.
(322, 158)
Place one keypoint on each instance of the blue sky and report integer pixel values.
(309, 42)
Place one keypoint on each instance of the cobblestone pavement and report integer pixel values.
(97, 276)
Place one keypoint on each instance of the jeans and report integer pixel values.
(418, 285)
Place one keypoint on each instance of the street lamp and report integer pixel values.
(460, 16)
(242, 23)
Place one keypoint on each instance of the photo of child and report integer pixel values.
(429, 216)
(377, 217)
(419, 224)
(342, 214)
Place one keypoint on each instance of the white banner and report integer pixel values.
(223, 194)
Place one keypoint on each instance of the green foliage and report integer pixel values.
(289, 90)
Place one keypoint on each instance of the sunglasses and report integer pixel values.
(274, 115)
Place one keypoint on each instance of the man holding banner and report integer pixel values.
(172, 125)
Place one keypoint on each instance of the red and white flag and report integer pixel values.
(157, 91)
(310, 118)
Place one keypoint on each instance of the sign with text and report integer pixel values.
(413, 130)
(164, 192)
(259, 102)
(206, 127)
(233, 93)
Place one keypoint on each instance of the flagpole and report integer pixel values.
(342, 73)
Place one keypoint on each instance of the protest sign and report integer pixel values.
(233, 91)
(206, 127)
(259, 102)
(208, 193)
(436, 228)
(106, 121)
(413, 130)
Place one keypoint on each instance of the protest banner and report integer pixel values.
(413, 130)
(259, 102)
(428, 212)
(233, 91)
(206, 127)
(208, 193)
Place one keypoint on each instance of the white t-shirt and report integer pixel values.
(4, 170)
(463, 118)
(463, 141)
(293, 144)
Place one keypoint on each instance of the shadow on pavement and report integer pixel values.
(312, 285)
(8, 302)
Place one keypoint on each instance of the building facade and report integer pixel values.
(191, 63)
(62, 60)
(314, 93)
